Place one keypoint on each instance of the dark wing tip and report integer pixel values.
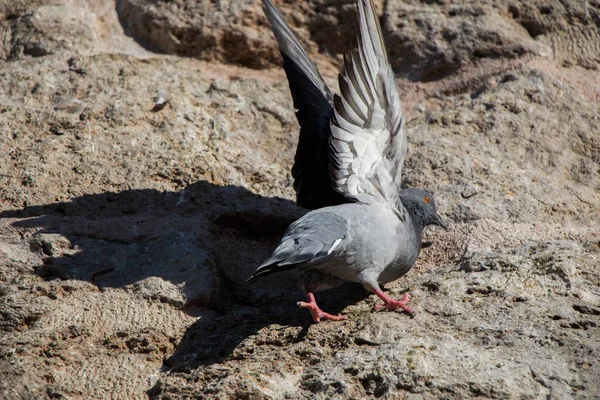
(259, 274)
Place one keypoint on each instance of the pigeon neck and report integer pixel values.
(416, 214)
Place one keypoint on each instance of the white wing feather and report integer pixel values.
(368, 143)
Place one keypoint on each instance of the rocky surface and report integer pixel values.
(138, 191)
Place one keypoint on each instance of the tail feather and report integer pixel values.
(306, 243)
(269, 269)
(289, 254)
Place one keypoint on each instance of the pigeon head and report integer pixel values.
(421, 205)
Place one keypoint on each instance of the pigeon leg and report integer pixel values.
(316, 312)
(391, 304)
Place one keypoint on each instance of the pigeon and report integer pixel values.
(364, 227)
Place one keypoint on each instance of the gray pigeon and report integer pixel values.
(373, 230)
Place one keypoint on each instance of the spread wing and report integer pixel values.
(314, 104)
(368, 143)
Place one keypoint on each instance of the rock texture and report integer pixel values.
(138, 191)
(232, 31)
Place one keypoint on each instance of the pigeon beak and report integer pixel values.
(440, 222)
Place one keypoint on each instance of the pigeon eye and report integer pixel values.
(427, 199)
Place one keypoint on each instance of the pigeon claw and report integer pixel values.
(393, 305)
(316, 312)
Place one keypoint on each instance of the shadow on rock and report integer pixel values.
(193, 249)
(222, 338)
(178, 247)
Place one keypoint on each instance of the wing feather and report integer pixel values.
(368, 120)
(314, 104)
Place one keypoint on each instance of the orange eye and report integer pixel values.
(427, 199)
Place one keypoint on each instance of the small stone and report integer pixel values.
(71, 105)
(55, 130)
(85, 114)
(468, 191)
(161, 100)
(463, 213)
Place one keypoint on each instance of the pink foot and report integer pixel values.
(316, 312)
(391, 304)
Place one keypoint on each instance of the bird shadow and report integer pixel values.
(210, 342)
(120, 239)
(191, 248)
